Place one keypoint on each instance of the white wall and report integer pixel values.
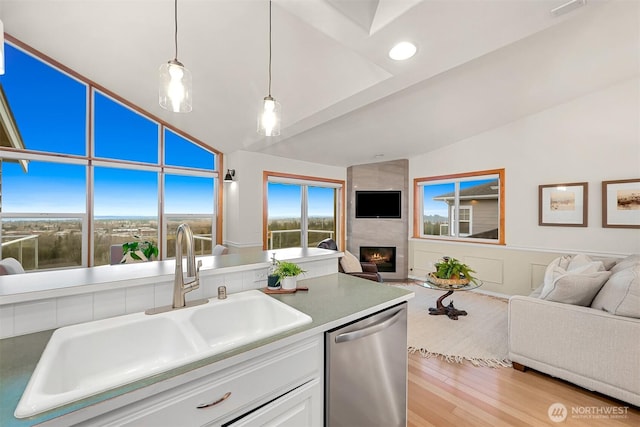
(593, 138)
(242, 220)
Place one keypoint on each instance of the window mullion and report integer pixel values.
(304, 216)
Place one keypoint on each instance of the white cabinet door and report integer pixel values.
(301, 407)
(235, 390)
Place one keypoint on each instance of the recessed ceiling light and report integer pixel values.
(402, 51)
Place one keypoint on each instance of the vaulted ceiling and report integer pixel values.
(480, 64)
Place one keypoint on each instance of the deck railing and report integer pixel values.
(279, 233)
(20, 240)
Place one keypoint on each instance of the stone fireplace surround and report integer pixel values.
(391, 175)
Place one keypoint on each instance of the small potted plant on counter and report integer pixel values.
(288, 273)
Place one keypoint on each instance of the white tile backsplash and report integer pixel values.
(210, 285)
(252, 281)
(26, 317)
(74, 309)
(163, 294)
(233, 282)
(34, 316)
(109, 304)
(139, 298)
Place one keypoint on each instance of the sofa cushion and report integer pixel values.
(575, 288)
(350, 264)
(621, 294)
(625, 263)
(581, 262)
(573, 279)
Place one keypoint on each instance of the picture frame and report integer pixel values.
(563, 205)
(621, 203)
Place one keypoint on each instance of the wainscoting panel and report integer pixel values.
(486, 269)
(424, 263)
(504, 270)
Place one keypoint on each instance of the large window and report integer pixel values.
(468, 206)
(301, 211)
(67, 195)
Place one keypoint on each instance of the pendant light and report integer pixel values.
(269, 116)
(175, 80)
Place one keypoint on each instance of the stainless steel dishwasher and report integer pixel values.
(366, 371)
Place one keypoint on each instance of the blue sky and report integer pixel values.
(284, 201)
(50, 110)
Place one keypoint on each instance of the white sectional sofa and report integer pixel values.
(593, 346)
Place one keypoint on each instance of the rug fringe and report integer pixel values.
(489, 363)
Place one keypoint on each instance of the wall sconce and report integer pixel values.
(229, 176)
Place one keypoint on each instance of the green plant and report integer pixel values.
(451, 268)
(287, 269)
(148, 249)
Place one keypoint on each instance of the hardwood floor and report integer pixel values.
(452, 394)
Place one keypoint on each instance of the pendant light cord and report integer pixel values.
(175, 23)
(269, 48)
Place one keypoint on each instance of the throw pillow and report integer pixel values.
(555, 268)
(578, 261)
(621, 294)
(577, 289)
(578, 264)
(350, 263)
(625, 263)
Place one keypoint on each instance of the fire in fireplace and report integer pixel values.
(383, 256)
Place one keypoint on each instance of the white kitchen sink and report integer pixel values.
(89, 358)
(247, 317)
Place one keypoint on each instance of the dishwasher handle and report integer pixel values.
(369, 330)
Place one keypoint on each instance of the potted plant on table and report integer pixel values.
(288, 273)
(450, 271)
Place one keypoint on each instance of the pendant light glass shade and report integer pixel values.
(174, 91)
(175, 87)
(270, 113)
(269, 117)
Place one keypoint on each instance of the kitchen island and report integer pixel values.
(331, 301)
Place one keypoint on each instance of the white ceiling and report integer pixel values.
(480, 64)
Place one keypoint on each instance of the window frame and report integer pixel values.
(89, 160)
(304, 180)
(418, 205)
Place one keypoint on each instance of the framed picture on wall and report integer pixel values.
(563, 204)
(621, 203)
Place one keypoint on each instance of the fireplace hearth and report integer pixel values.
(383, 256)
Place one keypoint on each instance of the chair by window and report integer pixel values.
(219, 250)
(10, 266)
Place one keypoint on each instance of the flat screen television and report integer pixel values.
(378, 204)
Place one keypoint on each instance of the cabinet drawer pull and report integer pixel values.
(208, 405)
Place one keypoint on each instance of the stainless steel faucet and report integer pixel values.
(180, 288)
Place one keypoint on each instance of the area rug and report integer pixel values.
(480, 337)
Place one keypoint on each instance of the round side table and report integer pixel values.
(449, 310)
